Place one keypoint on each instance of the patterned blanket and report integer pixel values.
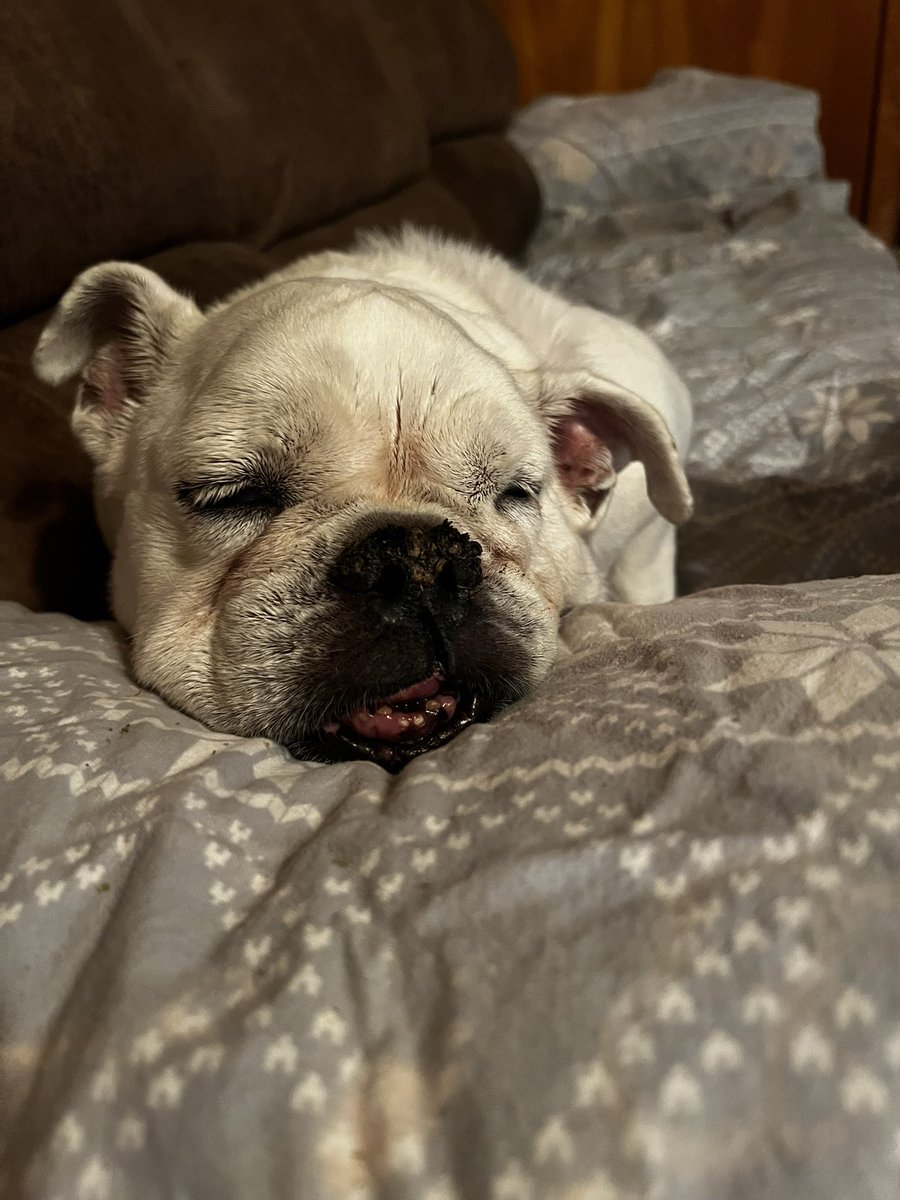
(634, 940)
(698, 208)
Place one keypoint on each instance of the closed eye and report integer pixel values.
(233, 498)
(519, 493)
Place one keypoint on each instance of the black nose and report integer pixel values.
(406, 572)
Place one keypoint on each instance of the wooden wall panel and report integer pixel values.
(883, 201)
(581, 46)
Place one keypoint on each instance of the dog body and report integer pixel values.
(348, 505)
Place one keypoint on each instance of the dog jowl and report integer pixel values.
(348, 505)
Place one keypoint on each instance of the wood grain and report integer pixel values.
(883, 200)
(579, 46)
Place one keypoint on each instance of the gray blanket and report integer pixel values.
(698, 208)
(635, 940)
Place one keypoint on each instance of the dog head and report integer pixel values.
(340, 516)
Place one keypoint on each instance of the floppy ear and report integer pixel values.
(113, 328)
(598, 427)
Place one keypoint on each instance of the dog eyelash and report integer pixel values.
(520, 491)
(236, 499)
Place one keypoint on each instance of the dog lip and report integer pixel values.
(417, 691)
(344, 738)
(384, 716)
(413, 713)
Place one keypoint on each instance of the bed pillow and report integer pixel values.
(697, 209)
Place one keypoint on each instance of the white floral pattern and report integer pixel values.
(836, 414)
(710, 224)
(837, 665)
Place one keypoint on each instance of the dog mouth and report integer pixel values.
(394, 729)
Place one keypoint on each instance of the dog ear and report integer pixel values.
(113, 328)
(597, 428)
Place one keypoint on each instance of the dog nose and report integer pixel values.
(405, 571)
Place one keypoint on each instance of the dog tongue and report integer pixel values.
(389, 723)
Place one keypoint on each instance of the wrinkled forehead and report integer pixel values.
(306, 367)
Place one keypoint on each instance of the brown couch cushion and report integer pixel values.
(215, 140)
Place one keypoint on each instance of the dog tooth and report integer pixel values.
(418, 719)
(432, 706)
(384, 711)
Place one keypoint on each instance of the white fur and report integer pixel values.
(377, 380)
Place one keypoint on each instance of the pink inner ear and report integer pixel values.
(583, 458)
(104, 379)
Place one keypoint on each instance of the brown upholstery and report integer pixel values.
(215, 140)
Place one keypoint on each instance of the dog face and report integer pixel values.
(341, 517)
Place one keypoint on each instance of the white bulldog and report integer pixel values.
(348, 505)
